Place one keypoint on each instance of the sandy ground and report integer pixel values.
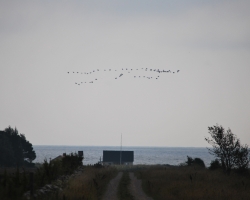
(136, 188)
(111, 193)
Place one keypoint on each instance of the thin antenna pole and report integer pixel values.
(121, 151)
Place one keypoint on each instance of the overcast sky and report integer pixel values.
(208, 41)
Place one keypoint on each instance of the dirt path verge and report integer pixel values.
(136, 189)
(111, 192)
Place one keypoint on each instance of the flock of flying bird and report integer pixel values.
(123, 73)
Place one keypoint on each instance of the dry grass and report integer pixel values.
(193, 183)
(90, 184)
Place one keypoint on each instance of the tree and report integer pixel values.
(242, 158)
(6, 151)
(15, 150)
(227, 148)
(28, 152)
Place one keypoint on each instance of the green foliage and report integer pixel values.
(15, 150)
(228, 149)
(196, 161)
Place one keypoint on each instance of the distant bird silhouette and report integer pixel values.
(120, 75)
(178, 70)
(68, 72)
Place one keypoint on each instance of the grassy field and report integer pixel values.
(158, 182)
(189, 182)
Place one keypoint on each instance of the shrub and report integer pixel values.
(196, 161)
(215, 164)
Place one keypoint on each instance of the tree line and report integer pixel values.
(15, 149)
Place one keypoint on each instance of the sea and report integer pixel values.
(142, 155)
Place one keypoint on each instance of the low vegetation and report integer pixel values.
(15, 182)
(91, 184)
(123, 188)
(193, 182)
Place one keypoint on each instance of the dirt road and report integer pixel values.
(111, 193)
(134, 188)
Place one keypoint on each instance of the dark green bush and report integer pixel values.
(196, 161)
(215, 164)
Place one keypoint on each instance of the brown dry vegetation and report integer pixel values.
(90, 184)
(189, 182)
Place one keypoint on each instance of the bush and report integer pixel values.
(196, 161)
(215, 164)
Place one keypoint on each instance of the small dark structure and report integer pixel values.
(118, 157)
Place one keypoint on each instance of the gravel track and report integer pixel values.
(135, 188)
(111, 192)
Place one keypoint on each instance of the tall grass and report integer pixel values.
(190, 182)
(90, 184)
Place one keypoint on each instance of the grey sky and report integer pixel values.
(208, 41)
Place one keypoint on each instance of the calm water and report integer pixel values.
(142, 155)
